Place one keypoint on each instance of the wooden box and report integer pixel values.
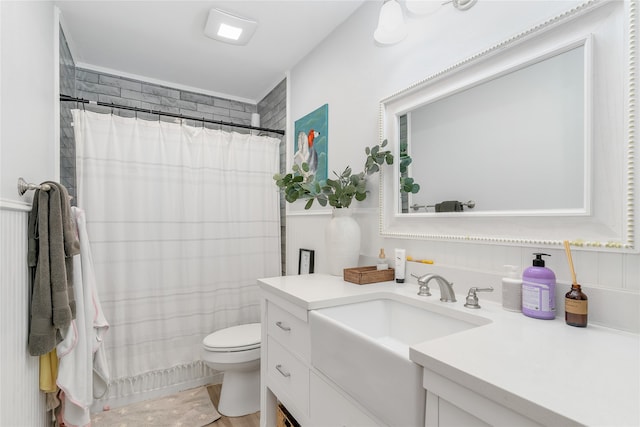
(369, 274)
(284, 418)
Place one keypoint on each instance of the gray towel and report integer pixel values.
(53, 242)
(449, 206)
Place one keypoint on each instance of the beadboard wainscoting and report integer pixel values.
(21, 402)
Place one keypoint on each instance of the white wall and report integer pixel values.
(27, 144)
(27, 148)
(350, 73)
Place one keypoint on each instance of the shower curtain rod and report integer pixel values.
(68, 98)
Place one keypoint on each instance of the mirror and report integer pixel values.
(458, 142)
(534, 131)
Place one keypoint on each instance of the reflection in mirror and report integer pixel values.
(514, 142)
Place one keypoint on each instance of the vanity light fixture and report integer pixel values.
(391, 28)
(425, 7)
(229, 28)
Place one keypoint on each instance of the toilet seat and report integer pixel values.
(234, 338)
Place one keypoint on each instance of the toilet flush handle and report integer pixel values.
(282, 326)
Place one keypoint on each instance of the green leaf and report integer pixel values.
(389, 159)
(405, 161)
(305, 167)
(403, 148)
(384, 143)
(308, 204)
(369, 162)
(333, 184)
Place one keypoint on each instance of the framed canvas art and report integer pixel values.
(311, 142)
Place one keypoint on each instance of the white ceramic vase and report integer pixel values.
(342, 241)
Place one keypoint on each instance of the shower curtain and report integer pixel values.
(183, 220)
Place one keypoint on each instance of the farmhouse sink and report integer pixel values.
(364, 348)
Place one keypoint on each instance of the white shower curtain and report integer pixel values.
(183, 220)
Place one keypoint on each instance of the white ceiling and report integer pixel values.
(164, 41)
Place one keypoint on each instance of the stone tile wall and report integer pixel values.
(273, 115)
(102, 87)
(67, 142)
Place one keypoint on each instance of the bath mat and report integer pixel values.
(189, 408)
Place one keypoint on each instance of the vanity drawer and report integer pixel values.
(288, 374)
(290, 331)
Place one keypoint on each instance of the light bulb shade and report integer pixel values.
(391, 28)
(423, 7)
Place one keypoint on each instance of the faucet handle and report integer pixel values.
(424, 286)
(472, 298)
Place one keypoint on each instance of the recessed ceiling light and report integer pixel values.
(229, 31)
(229, 28)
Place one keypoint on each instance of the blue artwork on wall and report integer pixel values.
(311, 142)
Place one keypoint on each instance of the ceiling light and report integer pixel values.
(391, 28)
(229, 28)
(229, 31)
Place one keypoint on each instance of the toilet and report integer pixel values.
(235, 351)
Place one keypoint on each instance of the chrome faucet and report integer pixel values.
(446, 287)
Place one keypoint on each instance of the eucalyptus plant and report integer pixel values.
(340, 192)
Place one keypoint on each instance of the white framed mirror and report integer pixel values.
(535, 132)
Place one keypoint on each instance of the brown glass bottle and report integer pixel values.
(576, 307)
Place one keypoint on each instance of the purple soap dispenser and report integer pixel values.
(539, 290)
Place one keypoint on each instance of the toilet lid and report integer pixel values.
(235, 338)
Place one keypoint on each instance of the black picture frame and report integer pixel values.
(306, 260)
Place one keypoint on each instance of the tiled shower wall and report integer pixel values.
(273, 115)
(103, 87)
(67, 144)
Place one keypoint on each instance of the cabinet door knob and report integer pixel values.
(282, 371)
(283, 327)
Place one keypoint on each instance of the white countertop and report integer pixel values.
(588, 375)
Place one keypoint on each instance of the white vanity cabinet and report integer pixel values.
(511, 371)
(288, 377)
(285, 356)
(445, 400)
